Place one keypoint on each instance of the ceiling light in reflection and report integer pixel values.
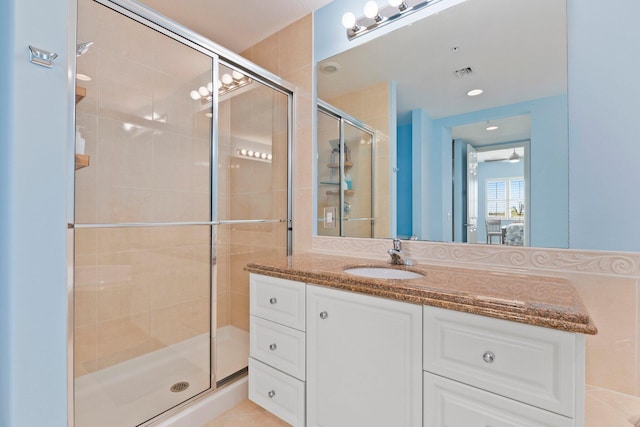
(83, 77)
(492, 127)
(475, 92)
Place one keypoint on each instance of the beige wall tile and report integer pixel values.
(611, 354)
(296, 45)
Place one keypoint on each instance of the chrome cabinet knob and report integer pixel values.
(271, 394)
(273, 300)
(273, 346)
(488, 357)
(324, 315)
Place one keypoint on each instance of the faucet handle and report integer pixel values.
(397, 244)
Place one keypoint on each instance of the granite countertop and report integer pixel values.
(537, 300)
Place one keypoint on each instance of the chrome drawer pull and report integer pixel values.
(488, 357)
(273, 346)
(324, 315)
(273, 300)
(271, 394)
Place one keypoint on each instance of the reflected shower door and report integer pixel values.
(329, 175)
(345, 179)
(252, 202)
(358, 180)
(143, 243)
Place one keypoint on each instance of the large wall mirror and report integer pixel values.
(489, 168)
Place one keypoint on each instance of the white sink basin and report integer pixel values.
(383, 273)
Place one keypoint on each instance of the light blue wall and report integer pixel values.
(604, 124)
(404, 179)
(7, 402)
(33, 194)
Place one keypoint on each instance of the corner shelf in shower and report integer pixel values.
(337, 193)
(336, 165)
(81, 92)
(82, 160)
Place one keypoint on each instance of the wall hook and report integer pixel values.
(42, 57)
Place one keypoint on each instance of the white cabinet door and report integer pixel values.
(448, 403)
(364, 363)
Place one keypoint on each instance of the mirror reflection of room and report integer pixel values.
(462, 67)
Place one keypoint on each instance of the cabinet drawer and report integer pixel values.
(279, 300)
(528, 363)
(278, 393)
(278, 346)
(452, 404)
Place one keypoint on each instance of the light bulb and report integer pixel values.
(210, 87)
(203, 91)
(243, 152)
(250, 153)
(349, 20)
(227, 79)
(237, 75)
(395, 3)
(195, 95)
(269, 156)
(371, 9)
(256, 154)
(263, 155)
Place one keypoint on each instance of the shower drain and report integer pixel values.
(178, 387)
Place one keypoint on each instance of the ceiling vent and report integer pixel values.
(461, 72)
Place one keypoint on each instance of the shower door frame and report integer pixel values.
(219, 55)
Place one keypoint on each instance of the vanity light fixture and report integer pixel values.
(227, 83)
(255, 155)
(375, 17)
(475, 92)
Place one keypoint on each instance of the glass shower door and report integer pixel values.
(252, 202)
(143, 225)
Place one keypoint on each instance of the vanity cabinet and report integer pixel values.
(486, 371)
(326, 357)
(364, 363)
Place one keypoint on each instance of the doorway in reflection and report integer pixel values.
(491, 182)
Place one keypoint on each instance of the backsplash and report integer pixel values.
(606, 281)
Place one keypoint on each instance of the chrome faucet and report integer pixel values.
(397, 256)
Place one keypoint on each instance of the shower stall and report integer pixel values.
(182, 176)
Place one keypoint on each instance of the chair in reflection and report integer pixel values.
(493, 228)
(514, 235)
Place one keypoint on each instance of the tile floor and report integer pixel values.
(246, 414)
(604, 408)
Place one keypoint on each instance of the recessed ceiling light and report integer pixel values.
(83, 77)
(474, 92)
(493, 127)
(330, 67)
